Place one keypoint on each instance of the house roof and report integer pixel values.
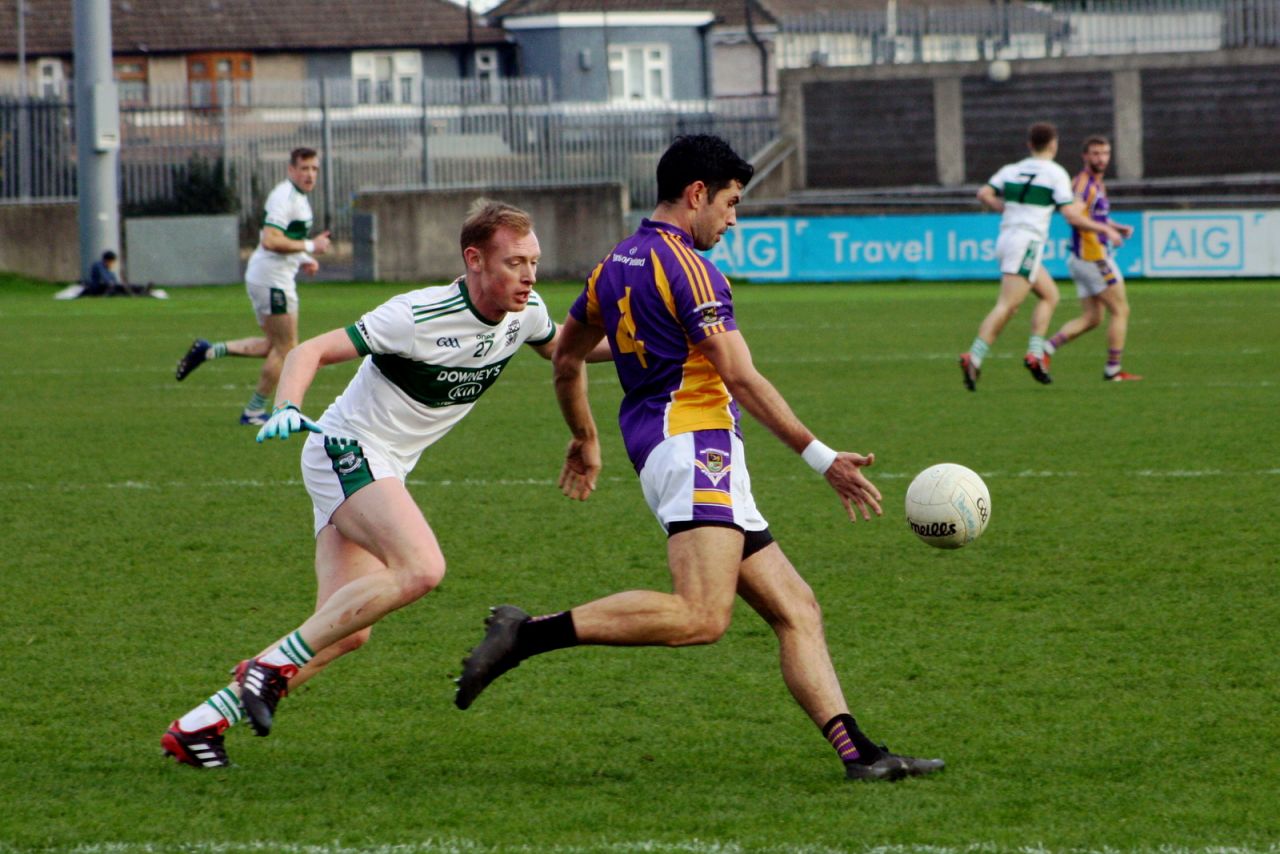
(727, 12)
(184, 26)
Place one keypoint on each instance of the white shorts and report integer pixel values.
(701, 477)
(333, 469)
(1094, 277)
(1020, 253)
(272, 299)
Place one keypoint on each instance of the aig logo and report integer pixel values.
(757, 248)
(1191, 242)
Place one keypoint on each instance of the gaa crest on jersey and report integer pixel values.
(513, 329)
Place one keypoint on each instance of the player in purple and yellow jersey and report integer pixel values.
(685, 368)
(1099, 282)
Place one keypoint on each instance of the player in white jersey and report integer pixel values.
(1026, 194)
(428, 356)
(270, 280)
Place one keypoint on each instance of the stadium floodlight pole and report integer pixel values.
(97, 132)
(24, 108)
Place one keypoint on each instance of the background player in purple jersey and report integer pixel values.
(1099, 282)
(685, 368)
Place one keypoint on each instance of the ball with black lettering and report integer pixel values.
(948, 506)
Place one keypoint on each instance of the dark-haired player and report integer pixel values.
(1099, 282)
(685, 369)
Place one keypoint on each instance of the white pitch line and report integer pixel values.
(692, 846)
(472, 482)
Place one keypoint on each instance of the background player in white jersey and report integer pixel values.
(1025, 194)
(1099, 282)
(429, 355)
(270, 280)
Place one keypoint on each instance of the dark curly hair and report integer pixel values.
(700, 157)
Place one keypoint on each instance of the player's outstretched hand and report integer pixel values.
(581, 468)
(855, 490)
(310, 267)
(286, 419)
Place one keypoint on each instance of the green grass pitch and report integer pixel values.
(1100, 670)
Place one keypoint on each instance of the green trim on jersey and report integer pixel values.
(466, 295)
(438, 385)
(544, 340)
(357, 339)
(435, 310)
(296, 230)
(1029, 194)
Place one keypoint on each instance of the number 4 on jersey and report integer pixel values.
(625, 334)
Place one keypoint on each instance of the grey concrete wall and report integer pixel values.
(417, 230)
(1209, 113)
(40, 241)
(183, 250)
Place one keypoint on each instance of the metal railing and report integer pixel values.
(450, 134)
(1009, 30)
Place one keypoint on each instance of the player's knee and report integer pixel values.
(705, 627)
(419, 575)
(420, 578)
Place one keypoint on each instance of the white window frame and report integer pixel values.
(50, 78)
(486, 65)
(654, 57)
(405, 77)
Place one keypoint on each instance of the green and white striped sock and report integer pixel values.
(217, 350)
(1036, 346)
(293, 650)
(222, 705)
(257, 403)
(978, 351)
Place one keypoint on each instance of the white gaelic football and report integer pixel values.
(948, 506)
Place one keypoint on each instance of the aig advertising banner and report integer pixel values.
(962, 246)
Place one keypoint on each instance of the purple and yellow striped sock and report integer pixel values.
(850, 743)
(1113, 362)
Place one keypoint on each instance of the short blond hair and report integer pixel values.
(486, 217)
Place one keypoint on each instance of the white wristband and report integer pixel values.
(818, 456)
(308, 246)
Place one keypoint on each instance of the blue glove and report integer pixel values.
(286, 419)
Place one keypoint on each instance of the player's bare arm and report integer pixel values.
(600, 353)
(575, 342)
(989, 200)
(1074, 213)
(303, 361)
(275, 240)
(729, 353)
